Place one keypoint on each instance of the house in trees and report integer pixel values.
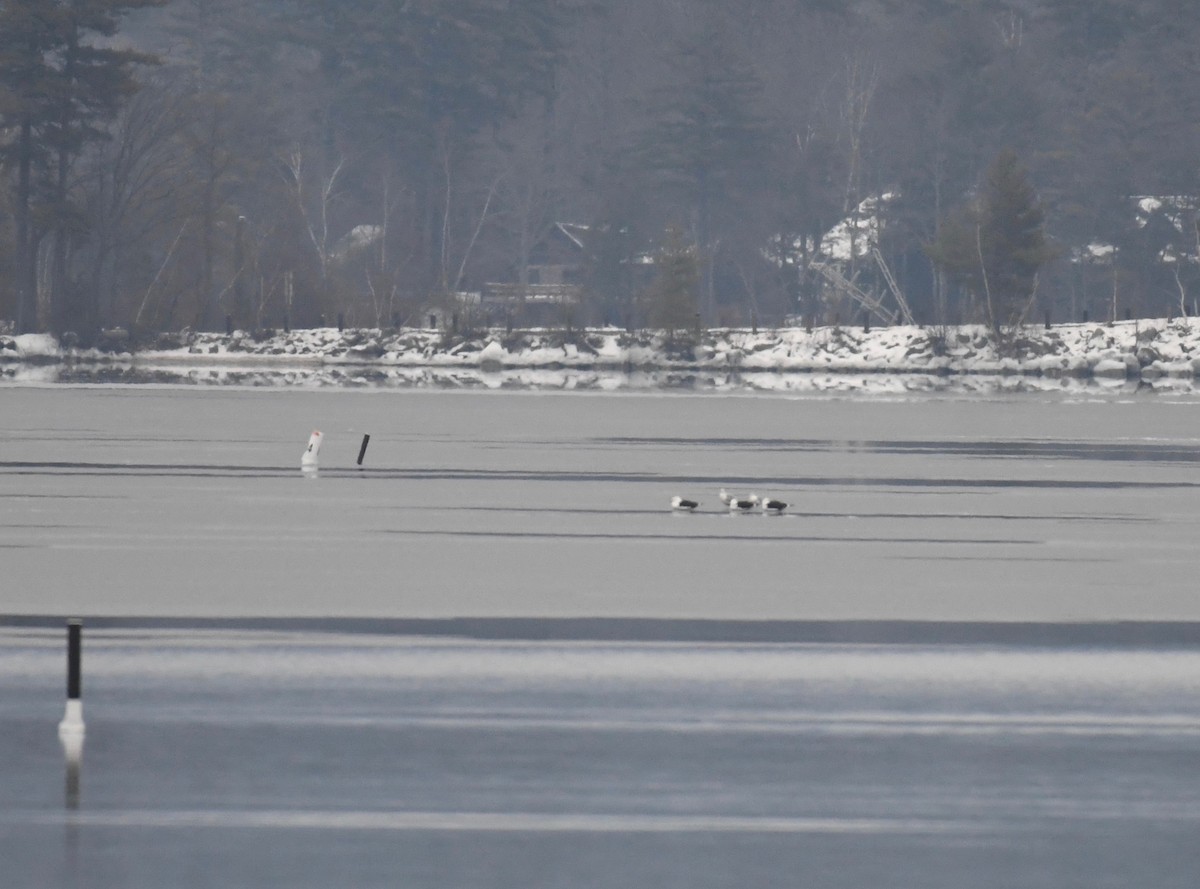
(548, 291)
(1148, 266)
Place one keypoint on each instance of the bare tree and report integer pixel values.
(862, 79)
(316, 220)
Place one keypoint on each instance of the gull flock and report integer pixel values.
(770, 505)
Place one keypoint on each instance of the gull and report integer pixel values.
(738, 505)
(683, 504)
(773, 506)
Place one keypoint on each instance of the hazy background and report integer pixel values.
(293, 159)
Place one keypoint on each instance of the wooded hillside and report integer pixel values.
(276, 162)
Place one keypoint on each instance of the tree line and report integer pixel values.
(172, 163)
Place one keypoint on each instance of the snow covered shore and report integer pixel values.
(1141, 350)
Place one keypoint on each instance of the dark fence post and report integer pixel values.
(74, 660)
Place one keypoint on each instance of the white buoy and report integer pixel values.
(72, 722)
(313, 451)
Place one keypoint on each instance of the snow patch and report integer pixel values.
(1154, 349)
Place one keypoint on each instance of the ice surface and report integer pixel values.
(308, 760)
(190, 502)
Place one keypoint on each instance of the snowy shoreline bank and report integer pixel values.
(1141, 350)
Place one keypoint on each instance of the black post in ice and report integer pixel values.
(362, 451)
(74, 660)
(72, 721)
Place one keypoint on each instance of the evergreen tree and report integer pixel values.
(671, 299)
(707, 142)
(94, 82)
(996, 247)
(29, 31)
(60, 85)
(608, 279)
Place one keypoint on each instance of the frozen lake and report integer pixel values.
(189, 502)
(968, 655)
(296, 760)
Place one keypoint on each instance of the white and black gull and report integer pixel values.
(738, 504)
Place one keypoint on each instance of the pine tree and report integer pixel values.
(707, 142)
(608, 279)
(995, 247)
(671, 299)
(58, 88)
(29, 31)
(94, 81)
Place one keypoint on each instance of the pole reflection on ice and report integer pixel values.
(71, 729)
